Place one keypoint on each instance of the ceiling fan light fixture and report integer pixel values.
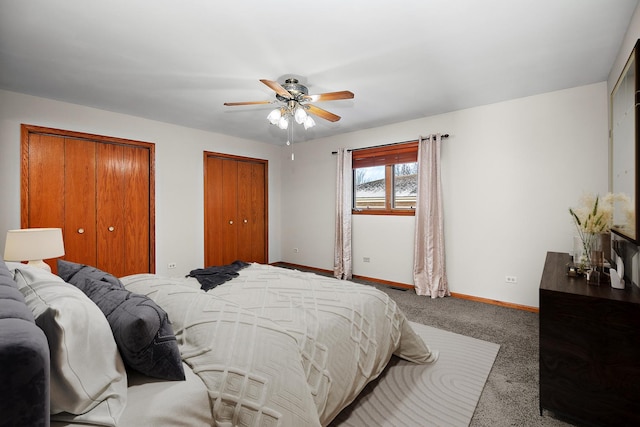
(309, 122)
(300, 115)
(274, 116)
(283, 123)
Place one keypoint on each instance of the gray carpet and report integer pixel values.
(444, 393)
(510, 395)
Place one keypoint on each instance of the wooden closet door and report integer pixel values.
(122, 194)
(259, 213)
(213, 218)
(235, 201)
(110, 208)
(46, 181)
(99, 190)
(230, 221)
(243, 203)
(136, 213)
(79, 231)
(45, 185)
(251, 211)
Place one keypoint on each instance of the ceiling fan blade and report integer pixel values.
(322, 113)
(234, 104)
(275, 86)
(329, 96)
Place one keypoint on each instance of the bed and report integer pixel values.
(272, 347)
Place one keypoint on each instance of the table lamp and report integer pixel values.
(34, 245)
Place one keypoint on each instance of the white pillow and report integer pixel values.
(88, 378)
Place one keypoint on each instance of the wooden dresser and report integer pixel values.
(589, 348)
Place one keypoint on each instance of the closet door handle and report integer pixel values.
(80, 230)
(230, 222)
(111, 228)
(246, 221)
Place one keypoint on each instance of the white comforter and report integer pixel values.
(278, 347)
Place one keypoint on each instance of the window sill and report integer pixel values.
(394, 212)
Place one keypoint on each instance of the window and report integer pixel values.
(385, 179)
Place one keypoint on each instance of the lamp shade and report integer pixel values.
(33, 244)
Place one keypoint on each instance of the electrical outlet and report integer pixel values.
(296, 250)
(510, 279)
(172, 265)
(366, 259)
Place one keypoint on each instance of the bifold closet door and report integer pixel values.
(61, 188)
(137, 210)
(221, 223)
(79, 230)
(45, 184)
(99, 190)
(230, 223)
(213, 218)
(235, 209)
(122, 199)
(251, 212)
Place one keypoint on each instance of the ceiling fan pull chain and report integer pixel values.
(290, 142)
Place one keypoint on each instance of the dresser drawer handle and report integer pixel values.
(111, 228)
(80, 230)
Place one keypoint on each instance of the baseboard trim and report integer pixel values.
(496, 302)
(406, 286)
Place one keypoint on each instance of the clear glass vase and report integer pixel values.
(594, 269)
(579, 257)
(592, 246)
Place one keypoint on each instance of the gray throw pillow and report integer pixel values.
(141, 328)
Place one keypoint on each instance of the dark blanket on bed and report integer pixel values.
(210, 277)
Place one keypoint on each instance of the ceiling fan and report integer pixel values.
(295, 100)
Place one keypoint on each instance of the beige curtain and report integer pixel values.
(342, 266)
(429, 273)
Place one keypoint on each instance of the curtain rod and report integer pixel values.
(446, 135)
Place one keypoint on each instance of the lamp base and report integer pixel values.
(40, 264)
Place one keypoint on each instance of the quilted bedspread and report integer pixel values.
(279, 347)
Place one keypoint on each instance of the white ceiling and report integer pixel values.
(178, 61)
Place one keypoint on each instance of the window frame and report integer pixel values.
(389, 156)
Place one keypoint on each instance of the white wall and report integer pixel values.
(179, 171)
(510, 172)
